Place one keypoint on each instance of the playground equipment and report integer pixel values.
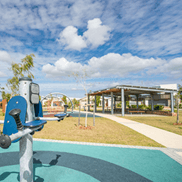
(23, 117)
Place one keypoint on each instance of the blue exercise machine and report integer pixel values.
(23, 118)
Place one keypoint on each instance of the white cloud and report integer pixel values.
(110, 65)
(69, 36)
(96, 35)
(5, 57)
(173, 68)
(2, 74)
(61, 68)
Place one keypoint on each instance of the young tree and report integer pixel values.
(81, 78)
(19, 69)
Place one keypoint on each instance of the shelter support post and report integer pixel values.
(137, 100)
(125, 102)
(172, 103)
(95, 103)
(102, 103)
(112, 112)
(114, 102)
(152, 102)
(88, 102)
(122, 101)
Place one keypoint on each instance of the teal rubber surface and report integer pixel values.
(153, 165)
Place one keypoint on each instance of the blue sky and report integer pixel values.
(115, 42)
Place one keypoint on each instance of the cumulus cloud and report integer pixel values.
(110, 65)
(61, 68)
(5, 57)
(69, 36)
(96, 35)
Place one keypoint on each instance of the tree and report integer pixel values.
(97, 100)
(81, 78)
(178, 96)
(19, 69)
(64, 99)
(69, 105)
(75, 102)
(6, 96)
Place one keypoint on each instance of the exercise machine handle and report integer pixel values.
(5, 141)
(15, 113)
(65, 108)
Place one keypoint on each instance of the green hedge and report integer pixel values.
(142, 106)
(156, 107)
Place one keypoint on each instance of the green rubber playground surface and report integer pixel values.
(54, 162)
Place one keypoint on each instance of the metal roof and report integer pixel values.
(132, 90)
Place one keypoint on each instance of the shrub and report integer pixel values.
(127, 104)
(142, 106)
(180, 105)
(118, 105)
(133, 106)
(149, 108)
(158, 107)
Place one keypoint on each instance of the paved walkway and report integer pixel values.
(166, 138)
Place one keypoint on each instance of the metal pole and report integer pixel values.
(26, 142)
(112, 103)
(137, 100)
(172, 102)
(88, 102)
(95, 103)
(152, 102)
(102, 103)
(122, 100)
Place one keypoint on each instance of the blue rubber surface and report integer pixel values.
(74, 162)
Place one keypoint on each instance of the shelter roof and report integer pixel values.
(132, 90)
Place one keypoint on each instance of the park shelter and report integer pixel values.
(122, 93)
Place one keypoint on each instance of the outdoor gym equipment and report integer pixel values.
(23, 117)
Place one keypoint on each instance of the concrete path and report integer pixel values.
(166, 138)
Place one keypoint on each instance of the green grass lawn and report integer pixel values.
(105, 131)
(165, 123)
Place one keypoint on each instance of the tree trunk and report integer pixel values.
(86, 111)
